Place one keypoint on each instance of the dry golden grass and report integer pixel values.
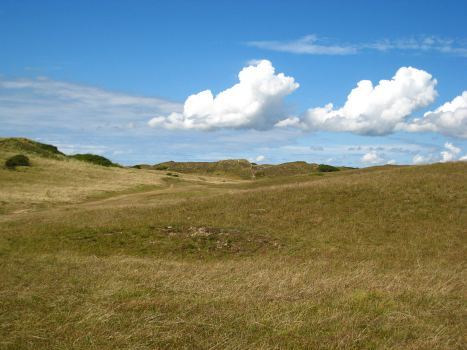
(49, 182)
(363, 259)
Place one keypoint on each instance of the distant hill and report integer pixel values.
(24, 145)
(285, 169)
(241, 168)
(233, 168)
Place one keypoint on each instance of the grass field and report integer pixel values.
(116, 258)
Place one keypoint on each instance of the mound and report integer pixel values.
(243, 169)
(285, 169)
(24, 145)
(238, 168)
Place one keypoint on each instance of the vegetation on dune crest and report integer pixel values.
(94, 159)
(18, 144)
(34, 148)
(324, 168)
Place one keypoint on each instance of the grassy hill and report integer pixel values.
(285, 169)
(240, 168)
(23, 145)
(361, 259)
(55, 178)
(237, 168)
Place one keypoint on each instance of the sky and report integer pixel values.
(356, 83)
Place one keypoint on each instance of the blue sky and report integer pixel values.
(90, 76)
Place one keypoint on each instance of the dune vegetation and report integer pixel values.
(95, 257)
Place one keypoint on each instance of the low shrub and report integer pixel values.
(94, 158)
(324, 168)
(17, 160)
(160, 167)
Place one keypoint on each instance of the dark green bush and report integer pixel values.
(324, 168)
(160, 167)
(17, 160)
(94, 158)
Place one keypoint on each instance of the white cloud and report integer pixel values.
(420, 159)
(255, 102)
(463, 159)
(290, 121)
(372, 158)
(69, 148)
(315, 45)
(44, 102)
(421, 44)
(449, 119)
(260, 158)
(451, 152)
(306, 45)
(373, 110)
(391, 162)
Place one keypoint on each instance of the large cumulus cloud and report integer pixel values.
(373, 110)
(256, 101)
(449, 119)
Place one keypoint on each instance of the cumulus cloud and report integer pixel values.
(449, 119)
(372, 158)
(373, 110)
(450, 153)
(420, 159)
(260, 158)
(256, 101)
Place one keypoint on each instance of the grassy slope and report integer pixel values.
(51, 181)
(371, 258)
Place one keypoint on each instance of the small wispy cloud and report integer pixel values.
(315, 45)
(310, 44)
(71, 148)
(425, 43)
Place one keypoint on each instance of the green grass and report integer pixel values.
(358, 259)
